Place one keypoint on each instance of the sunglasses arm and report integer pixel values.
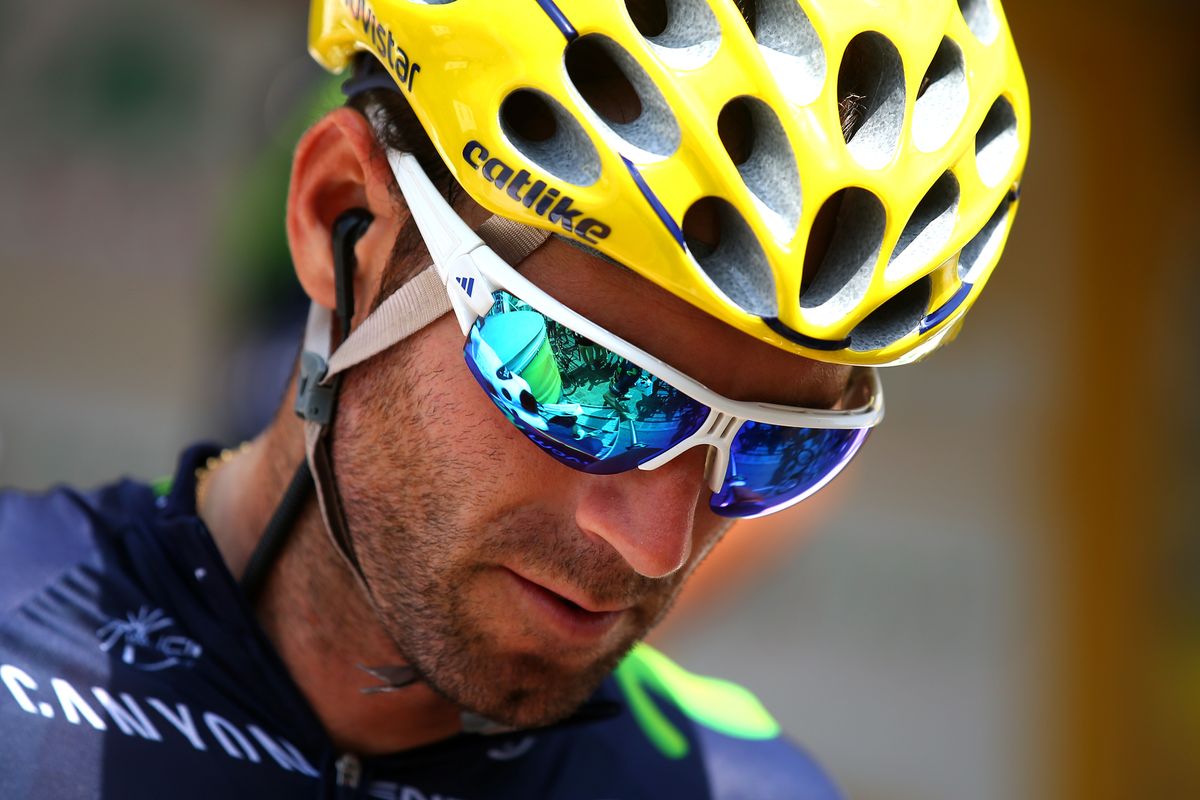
(453, 246)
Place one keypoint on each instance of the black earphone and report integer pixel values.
(348, 228)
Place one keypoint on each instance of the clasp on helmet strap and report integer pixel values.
(394, 678)
(476, 723)
(401, 676)
(314, 402)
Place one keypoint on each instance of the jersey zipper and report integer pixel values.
(348, 775)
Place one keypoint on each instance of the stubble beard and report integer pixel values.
(421, 557)
(428, 612)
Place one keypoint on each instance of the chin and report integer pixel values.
(527, 691)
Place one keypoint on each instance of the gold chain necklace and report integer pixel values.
(205, 472)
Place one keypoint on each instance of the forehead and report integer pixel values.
(719, 356)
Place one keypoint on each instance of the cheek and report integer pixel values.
(473, 440)
(707, 532)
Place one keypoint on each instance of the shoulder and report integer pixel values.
(722, 726)
(44, 533)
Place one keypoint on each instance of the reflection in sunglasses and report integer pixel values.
(598, 412)
(547, 377)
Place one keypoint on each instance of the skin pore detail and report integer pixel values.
(511, 583)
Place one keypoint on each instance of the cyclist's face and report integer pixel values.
(512, 582)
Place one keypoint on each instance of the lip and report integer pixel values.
(583, 621)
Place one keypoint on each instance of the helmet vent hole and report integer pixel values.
(725, 248)
(943, 99)
(623, 98)
(542, 130)
(790, 45)
(996, 144)
(527, 115)
(842, 252)
(756, 142)
(602, 82)
(983, 250)
(684, 33)
(893, 320)
(871, 99)
(736, 129)
(981, 19)
(648, 16)
(927, 231)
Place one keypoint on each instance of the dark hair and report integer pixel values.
(397, 128)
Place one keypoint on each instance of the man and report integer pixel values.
(428, 580)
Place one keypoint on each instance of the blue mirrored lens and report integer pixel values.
(581, 403)
(771, 467)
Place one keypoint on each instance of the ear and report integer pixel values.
(340, 165)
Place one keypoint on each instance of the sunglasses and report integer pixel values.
(598, 404)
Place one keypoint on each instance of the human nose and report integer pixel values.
(646, 516)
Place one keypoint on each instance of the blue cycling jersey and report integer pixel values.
(132, 669)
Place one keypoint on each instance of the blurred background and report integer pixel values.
(1001, 599)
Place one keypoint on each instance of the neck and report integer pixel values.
(313, 609)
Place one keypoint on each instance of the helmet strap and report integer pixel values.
(412, 307)
(319, 402)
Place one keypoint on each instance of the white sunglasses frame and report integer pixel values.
(471, 271)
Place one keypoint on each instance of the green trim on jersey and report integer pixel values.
(162, 486)
(717, 704)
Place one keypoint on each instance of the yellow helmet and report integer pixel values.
(861, 160)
